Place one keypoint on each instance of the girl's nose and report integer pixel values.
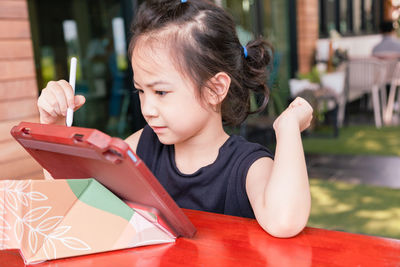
(149, 109)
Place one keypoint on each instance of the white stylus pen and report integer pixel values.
(72, 78)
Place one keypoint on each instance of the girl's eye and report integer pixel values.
(161, 93)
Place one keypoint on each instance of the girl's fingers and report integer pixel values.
(55, 99)
(79, 101)
(46, 108)
(59, 95)
(296, 102)
(53, 102)
(48, 99)
(69, 93)
(46, 118)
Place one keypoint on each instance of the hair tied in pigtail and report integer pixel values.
(244, 51)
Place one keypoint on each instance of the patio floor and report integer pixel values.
(373, 170)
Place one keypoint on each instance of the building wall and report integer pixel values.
(307, 33)
(387, 10)
(18, 89)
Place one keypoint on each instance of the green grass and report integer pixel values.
(355, 208)
(357, 140)
(349, 207)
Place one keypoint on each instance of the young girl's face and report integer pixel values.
(168, 99)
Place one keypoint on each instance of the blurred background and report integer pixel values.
(323, 51)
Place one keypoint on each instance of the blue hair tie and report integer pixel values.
(183, 1)
(244, 51)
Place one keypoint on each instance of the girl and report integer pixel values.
(192, 75)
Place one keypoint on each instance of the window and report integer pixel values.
(94, 31)
(350, 17)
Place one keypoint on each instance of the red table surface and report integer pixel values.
(233, 241)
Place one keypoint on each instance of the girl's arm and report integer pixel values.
(279, 190)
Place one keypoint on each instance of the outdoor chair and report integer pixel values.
(364, 76)
(395, 83)
(390, 65)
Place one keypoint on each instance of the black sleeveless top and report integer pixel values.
(219, 187)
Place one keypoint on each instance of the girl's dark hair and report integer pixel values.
(205, 36)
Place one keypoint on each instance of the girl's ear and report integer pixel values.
(218, 87)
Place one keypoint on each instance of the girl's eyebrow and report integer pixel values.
(151, 84)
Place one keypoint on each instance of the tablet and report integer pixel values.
(74, 153)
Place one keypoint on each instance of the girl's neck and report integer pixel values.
(200, 150)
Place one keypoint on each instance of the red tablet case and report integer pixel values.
(73, 153)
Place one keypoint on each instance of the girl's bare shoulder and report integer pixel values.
(133, 140)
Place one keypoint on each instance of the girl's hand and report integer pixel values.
(299, 113)
(54, 101)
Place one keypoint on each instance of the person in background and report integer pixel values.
(389, 46)
(193, 76)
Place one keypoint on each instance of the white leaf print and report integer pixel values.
(3, 236)
(11, 200)
(3, 185)
(10, 184)
(36, 214)
(59, 231)
(75, 243)
(22, 198)
(49, 249)
(4, 224)
(49, 223)
(19, 230)
(33, 240)
(22, 185)
(36, 196)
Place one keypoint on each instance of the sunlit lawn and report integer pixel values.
(356, 208)
(357, 140)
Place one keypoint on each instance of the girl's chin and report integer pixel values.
(165, 140)
(171, 138)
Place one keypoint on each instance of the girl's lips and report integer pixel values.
(158, 129)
